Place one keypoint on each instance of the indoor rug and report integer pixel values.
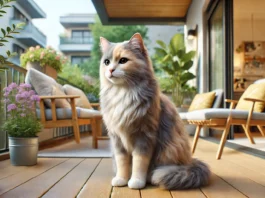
(84, 149)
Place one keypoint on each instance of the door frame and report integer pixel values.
(228, 50)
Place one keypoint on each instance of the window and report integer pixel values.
(19, 16)
(81, 36)
(19, 50)
(79, 59)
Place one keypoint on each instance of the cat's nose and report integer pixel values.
(111, 70)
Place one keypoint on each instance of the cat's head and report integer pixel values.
(124, 63)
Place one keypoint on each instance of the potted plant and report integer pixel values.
(175, 62)
(22, 124)
(46, 60)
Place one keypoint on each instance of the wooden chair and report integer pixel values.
(51, 118)
(224, 118)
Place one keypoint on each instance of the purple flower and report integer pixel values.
(32, 92)
(22, 114)
(25, 94)
(11, 107)
(35, 98)
(13, 85)
(24, 85)
(6, 100)
(6, 94)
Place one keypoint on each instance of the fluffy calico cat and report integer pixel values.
(147, 134)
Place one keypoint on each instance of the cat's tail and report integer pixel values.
(172, 177)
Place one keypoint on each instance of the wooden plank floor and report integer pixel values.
(235, 175)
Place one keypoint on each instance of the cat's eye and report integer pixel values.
(123, 60)
(106, 62)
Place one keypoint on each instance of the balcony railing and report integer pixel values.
(80, 40)
(30, 34)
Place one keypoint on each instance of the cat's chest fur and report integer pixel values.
(121, 107)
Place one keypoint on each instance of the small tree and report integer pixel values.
(113, 34)
(176, 62)
(7, 32)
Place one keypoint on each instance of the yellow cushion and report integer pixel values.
(202, 101)
(256, 91)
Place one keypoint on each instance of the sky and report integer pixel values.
(51, 26)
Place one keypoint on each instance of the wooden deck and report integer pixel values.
(235, 175)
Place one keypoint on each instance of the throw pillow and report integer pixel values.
(202, 101)
(82, 102)
(60, 103)
(256, 91)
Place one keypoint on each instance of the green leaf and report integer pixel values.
(166, 58)
(188, 56)
(20, 25)
(180, 53)
(186, 77)
(168, 70)
(8, 36)
(2, 11)
(3, 31)
(1, 44)
(176, 65)
(8, 29)
(8, 53)
(2, 40)
(162, 44)
(176, 43)
(160, 52)
(14, 26)
(7, 6)
(187, 65)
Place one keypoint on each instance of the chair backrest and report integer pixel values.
(218, 98)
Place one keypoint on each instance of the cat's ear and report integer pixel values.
(104, 44)
(137, 41)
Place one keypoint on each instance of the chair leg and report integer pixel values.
(248, 134)
(76, 132)
(261, 129)
(223, 139)
(94, 133)
(99, 127)
(195, 139)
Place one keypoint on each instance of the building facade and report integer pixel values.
(76, 42)
(23, 11)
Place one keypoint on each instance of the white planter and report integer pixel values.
(44, 69)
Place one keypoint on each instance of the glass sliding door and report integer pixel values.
(216, 48)
(220, 47)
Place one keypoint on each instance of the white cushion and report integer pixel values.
(66, 113)
(218, 113)
(46, 86)
(82, 102)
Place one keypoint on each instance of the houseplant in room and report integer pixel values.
(22, 124)
(175, 63)
(46, 60)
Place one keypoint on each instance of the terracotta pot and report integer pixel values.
(44, 69)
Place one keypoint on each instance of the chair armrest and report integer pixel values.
(95, 105)
(254, 100)
(53, 107)
(59, 97)
(233, 103)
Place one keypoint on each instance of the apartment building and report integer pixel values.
(23, 11)
(76, 42)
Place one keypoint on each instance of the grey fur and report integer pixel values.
(181, 177)
(142, 121)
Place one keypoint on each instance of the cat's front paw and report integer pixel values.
(118, 181)
(136, 183)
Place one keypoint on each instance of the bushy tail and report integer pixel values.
(181, 177)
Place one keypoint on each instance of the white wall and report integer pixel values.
(197, 16)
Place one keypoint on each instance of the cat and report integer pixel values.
(148, 137)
